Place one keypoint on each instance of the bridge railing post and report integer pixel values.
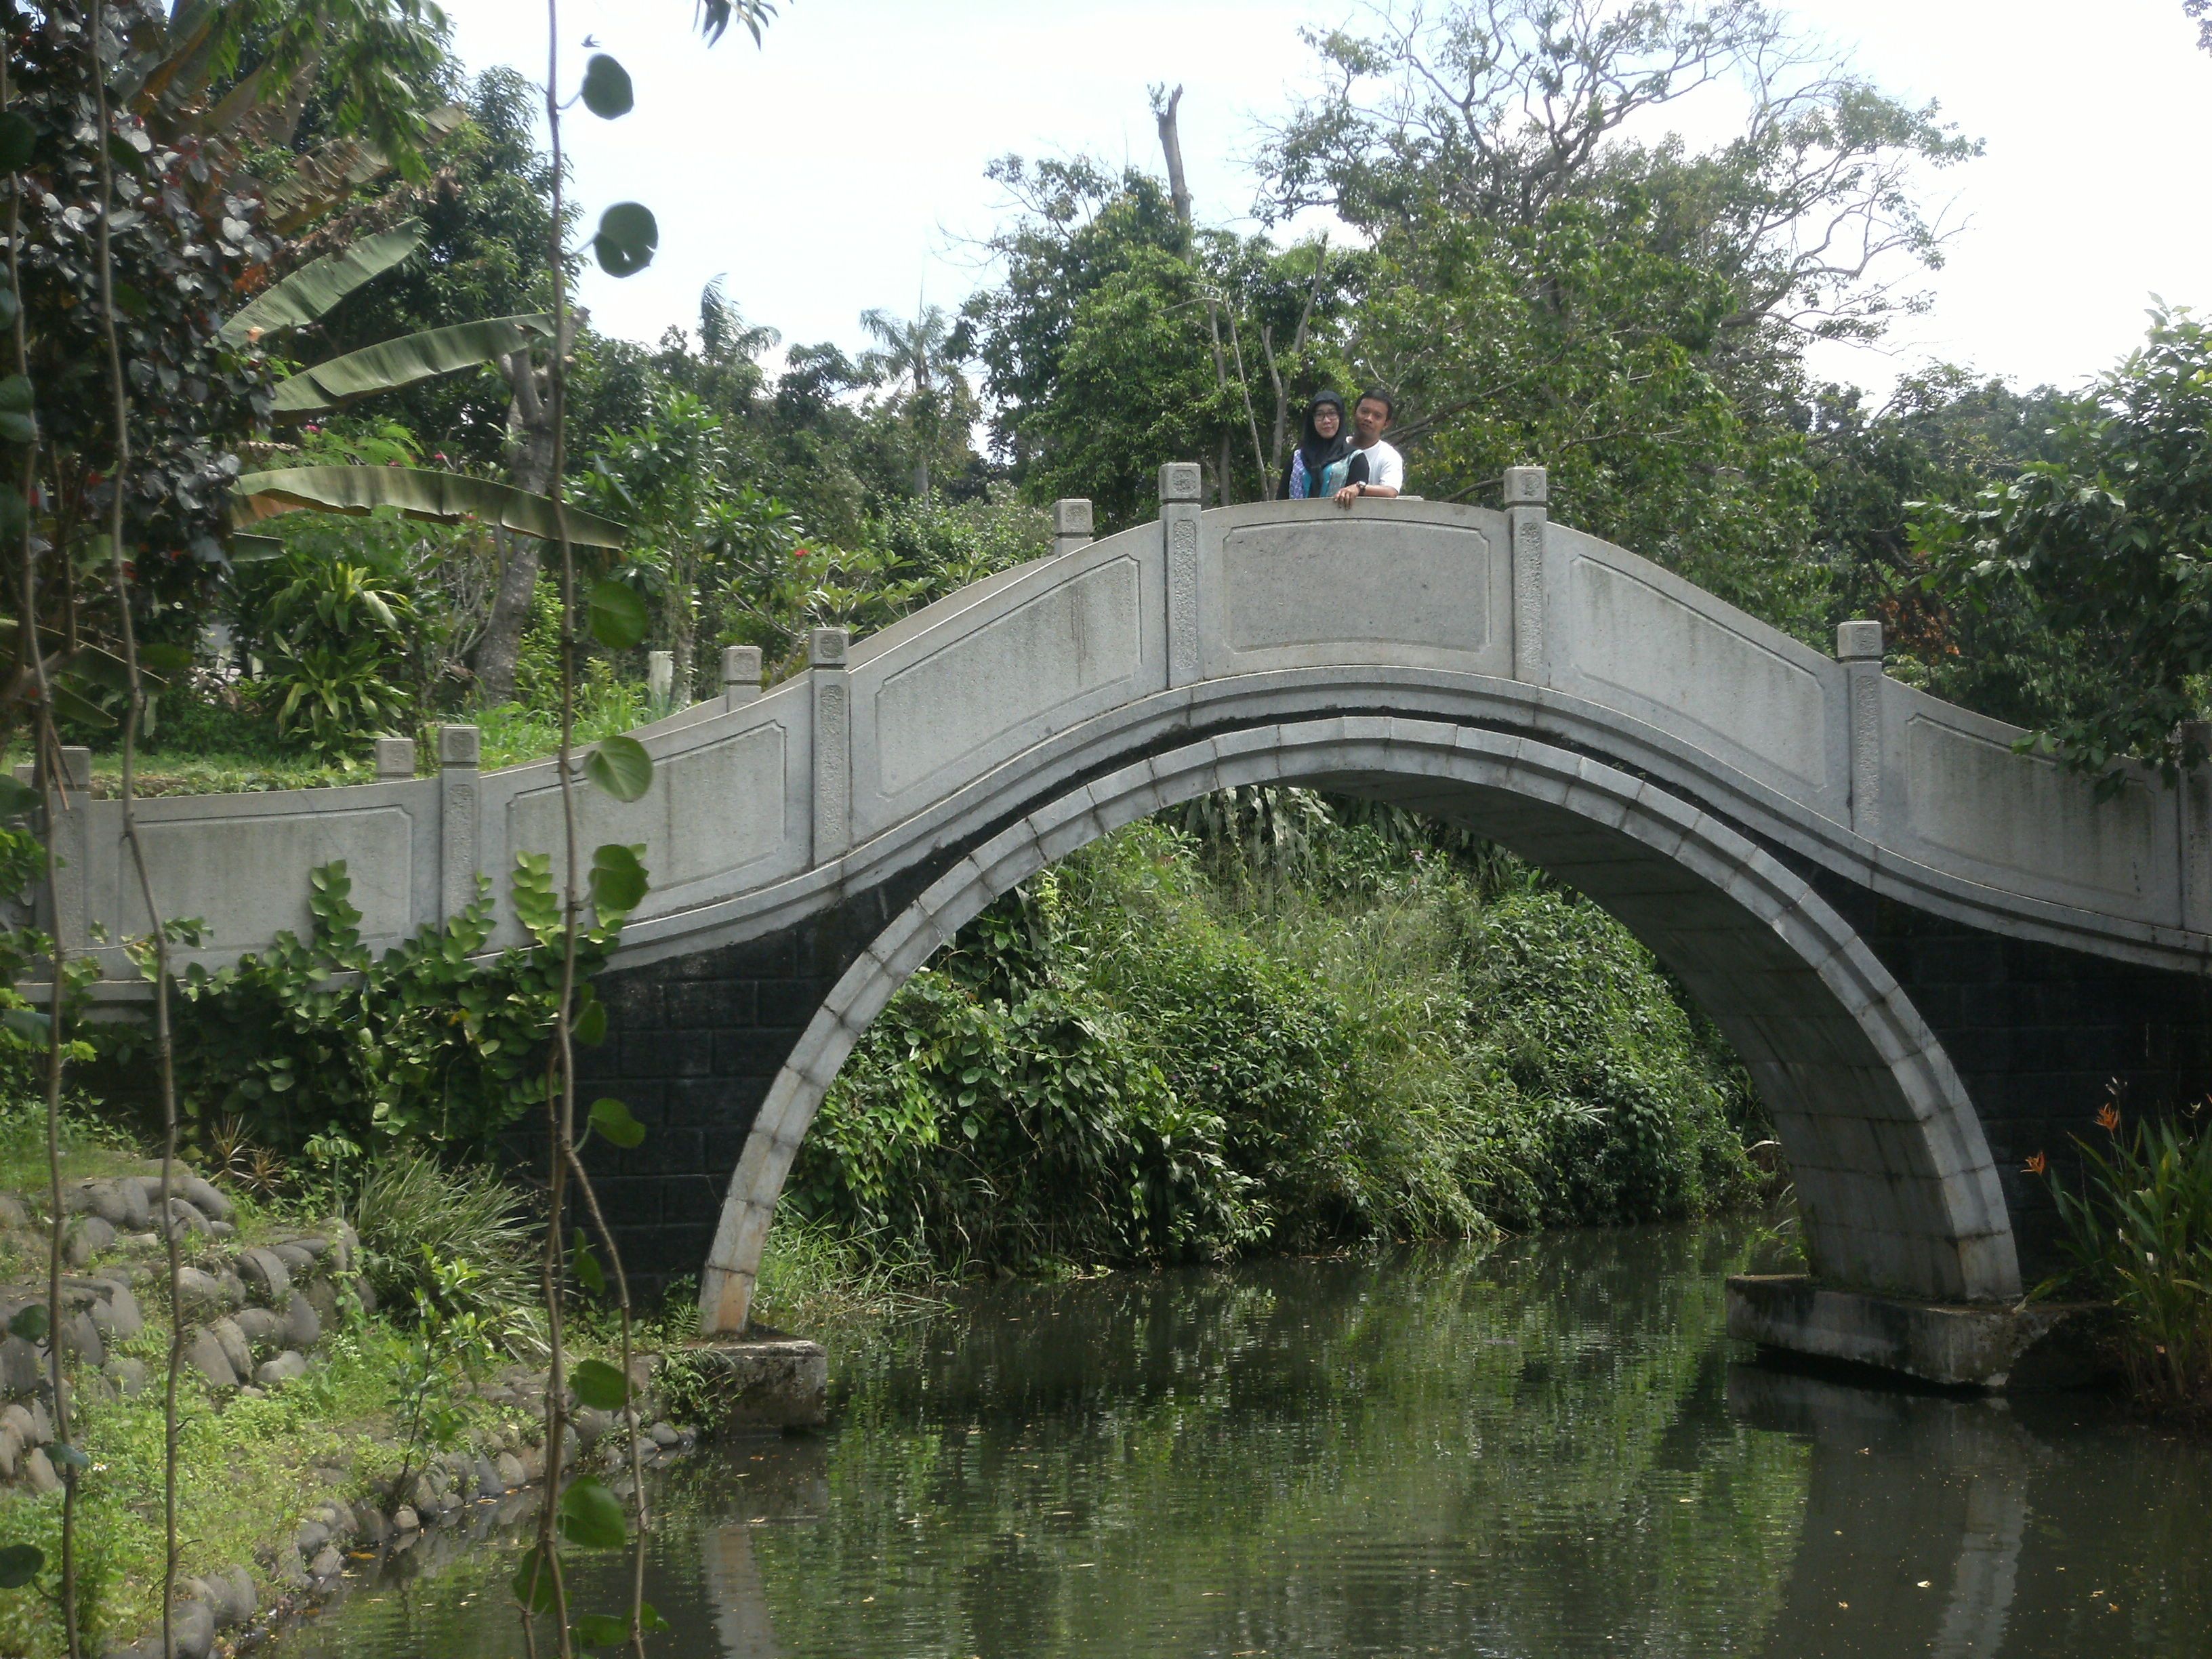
(460, 753)
(741, 674)
(827, 650)
(1071, 524)
(1528, 510)
(1858, 647)
(2195, 805)
(1179, 509)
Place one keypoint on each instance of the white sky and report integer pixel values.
(840, 166)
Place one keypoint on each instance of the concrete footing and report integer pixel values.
(764, 1381)
(1957, 1345)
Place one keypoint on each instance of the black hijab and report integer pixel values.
(1320, 452)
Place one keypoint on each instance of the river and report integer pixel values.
(1550, 1448)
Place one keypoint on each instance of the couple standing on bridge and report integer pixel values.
(1345, 466)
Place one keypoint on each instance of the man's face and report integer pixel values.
(1368, 419)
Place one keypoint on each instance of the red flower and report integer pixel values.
(2035, 1165)
(798, 552)
(2108, 1117)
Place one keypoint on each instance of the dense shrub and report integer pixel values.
(1152, 1053)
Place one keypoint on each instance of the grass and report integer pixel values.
(216, 773)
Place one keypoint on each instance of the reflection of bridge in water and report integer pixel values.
(1931, 952)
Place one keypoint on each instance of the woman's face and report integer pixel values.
(1327, 419)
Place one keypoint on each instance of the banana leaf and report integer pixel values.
(326, 175)
(417, 493)
(317, 286)
(391, 364)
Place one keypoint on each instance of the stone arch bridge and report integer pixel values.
(1931, 952)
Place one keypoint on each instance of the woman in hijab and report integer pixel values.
(1325, 459)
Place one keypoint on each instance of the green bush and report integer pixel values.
(459, 1241)
(1152, 1053)
(2139, 1232)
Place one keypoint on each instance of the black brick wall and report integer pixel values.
(2038, 1034)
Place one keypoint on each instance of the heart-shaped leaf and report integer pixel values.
(30, 1323)
(589, 1273)
(621, 767)
(593, 1517)
(15, 394)
(590, 1026)
(20, 1564)
(601, 1630)
(533, 1582)
(606, 90)
(16, 799)
(28, 1023)
(600, 1385)
(618, 878)
(627, 235)
(18, 140)
(70, 1456)
(618, 616)
(14, 514)
(612, 1119)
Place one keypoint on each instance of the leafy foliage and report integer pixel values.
(335, 636)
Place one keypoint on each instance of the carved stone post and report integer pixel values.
(1179, 498)
(660, 675)
(1528, 497)
(460, 751)
(2196, 808)
(1858, 647)
(395, 759)
(1071, 525)
(826, 649)
(741, 674)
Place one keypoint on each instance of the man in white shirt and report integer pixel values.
(1386, 467)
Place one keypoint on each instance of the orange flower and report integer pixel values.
(2108, 1117)
(2035, 1165)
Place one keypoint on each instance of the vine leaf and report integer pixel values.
(600, 1385)
(629, 235)
(618, 617)
(534, 1584)
(31, 1323)
(589, 1273)
(591, 1516)
(612, 1119)
(16, 799)
(621, 767)
(618, 880)
(20, 1564)
(606, 90)
(19, 141)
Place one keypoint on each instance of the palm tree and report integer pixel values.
(909, 363)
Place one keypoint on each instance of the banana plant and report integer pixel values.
(413, 492)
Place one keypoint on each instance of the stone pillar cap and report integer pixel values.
(1179, 481)
(460, 746)
(1858, 641)
(1527, 486)
(826, 648)
(1070, 516)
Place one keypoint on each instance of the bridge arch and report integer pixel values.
(1896, 1185)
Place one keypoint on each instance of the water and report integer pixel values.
(1551, 1450)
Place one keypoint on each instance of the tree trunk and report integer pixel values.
(1171, 142)
(529, 466)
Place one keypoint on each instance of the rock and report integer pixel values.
(365, 1293)
(40, 1471)
(532, 1459)
(303, 1326)
(314, 1248)
(191, 1629)
(322, 1296)
(87, 1238)
(81, 1337)
(11, 1453)
(369, 1523)
(328, 1563)
(249, 1392)
(289, 1570)
(510, 1472)
(286, 1367)
(267, 1279)
(222, 1229)
(403, 1519)
(240, 1602)
(130, 1375)
(311, 1537)
(205, 1355)
(233, 1288)
(235, 1348)
(12, 1212)
(425, 1498)
(204, 1197)
(664, 1434)
(19, 1365)
(103, 1198)
(117, 1317)
(197, 1291)
(137, 1208)
(297, 1262)
(19, 1419)
(488, 1485)
(42, 1426)
(264, 1327)
(184, 1218)
(591, 1425)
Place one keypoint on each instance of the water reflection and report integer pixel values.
(1548, 1450)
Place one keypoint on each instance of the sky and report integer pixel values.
(842, 166)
